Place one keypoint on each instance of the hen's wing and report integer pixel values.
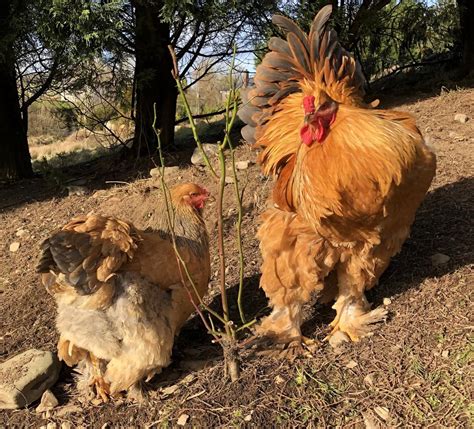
(86, 254)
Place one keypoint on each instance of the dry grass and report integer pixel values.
(78, 147)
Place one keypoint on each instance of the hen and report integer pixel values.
(119, 291)
(349, 179)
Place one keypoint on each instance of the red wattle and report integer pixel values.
(306, 135)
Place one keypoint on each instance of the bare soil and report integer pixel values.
(416, 371)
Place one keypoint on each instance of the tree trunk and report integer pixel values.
(15, 159)
(466, 21)
(155, 85)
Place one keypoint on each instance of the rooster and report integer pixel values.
(349, 179)
(121, 294)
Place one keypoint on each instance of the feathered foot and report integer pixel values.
(102, 388)
(354, 320)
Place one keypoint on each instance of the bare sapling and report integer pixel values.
(225, 331)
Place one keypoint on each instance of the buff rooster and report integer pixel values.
(349, 179)
(120, 291)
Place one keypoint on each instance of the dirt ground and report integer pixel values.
(416, 371)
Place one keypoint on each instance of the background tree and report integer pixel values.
(466, 22)
(15, 160)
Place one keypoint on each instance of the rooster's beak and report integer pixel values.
(308, 118)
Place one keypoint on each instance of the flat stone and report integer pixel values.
(461, 118)
(14, 246)
(198, 159)
(25, 377)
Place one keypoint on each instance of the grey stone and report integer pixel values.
(198, 159)
(25, 377)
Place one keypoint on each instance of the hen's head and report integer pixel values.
(189, 195)
(318, 117)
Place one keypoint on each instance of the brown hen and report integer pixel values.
(120, 293)
(349, 180)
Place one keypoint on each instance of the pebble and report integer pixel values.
(461, 118)
(182, 419)
(21, 232)
(439, 259)
(14, 246)
(242, 165)
(48, 402)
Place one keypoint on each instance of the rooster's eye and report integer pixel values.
(193, 194)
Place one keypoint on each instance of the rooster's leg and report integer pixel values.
(354, 318)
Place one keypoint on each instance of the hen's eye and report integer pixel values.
(193, 194)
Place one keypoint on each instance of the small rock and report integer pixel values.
(25, 377)
(229, 179)
(248, 417)
(461, 118)
(439, 259)
(279, 379)
(351, 364)
(209, 149)
(445, 353)
(48, 402)
(66, 425)
(76, 190)
(182, 419)
(52, 425)
(68, 409)
(14, 246)
(387, 301)
(382, 412)
(21, 232)
(242, 165)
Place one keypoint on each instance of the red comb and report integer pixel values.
(308, 104)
